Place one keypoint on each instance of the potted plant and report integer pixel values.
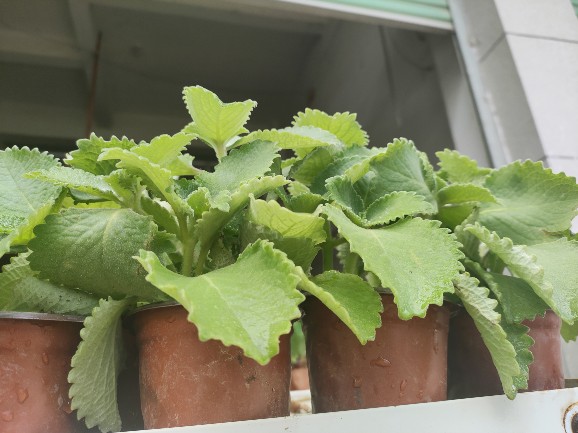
(516, 242)
(39, 322)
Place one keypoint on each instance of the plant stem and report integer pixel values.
(188, 246)
(327, 249)
(221, 151)
(202, 259)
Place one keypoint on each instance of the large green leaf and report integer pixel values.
(215, 122)
(167, 151)
(23, 200)
(241, 165)
(96, 365)
(249, 304)
(401, 168)
(343, 125)
(532, 202)
(12, 273)
(458, 168)
(396, 205)
(292, 138)
(556, 285)
(482, 309)
(287, 223)
(517, 335)
(414, 258)
(459, 193)
(350, 298)
(86, 157)
(76, 179)
(92, 249)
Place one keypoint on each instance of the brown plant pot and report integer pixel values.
(471, 372)
(407, 362)
(35, 354)
(184, 381)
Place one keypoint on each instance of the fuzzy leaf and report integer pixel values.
(464, 193)
(76, 179)
(212, 221)
(482, 309)
(215, 122)
(292, 138)
(241, 165)
(167, 151)
(89, 149)
(343, 125)
(341, 190)
(529, 264)
(308, 169)
(394, 206)
(532, 201)
(249, 304)
(287, 223)
(92, 249)
(414, 258)
(12, 273)
(23, 202)
(162, 216)
(458, 168)
(517, 298)
(96, 365)
(350, 298)
(517, 335)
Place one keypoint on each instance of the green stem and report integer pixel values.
(188, 246)
(327, 250)
(202, 259)
(221, 151)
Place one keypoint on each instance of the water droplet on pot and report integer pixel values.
(380, 362)
(7, 415)
(45, 359)
(27, 343)
(402, 385)
(171, 319)
(357, 381)
(22, 395)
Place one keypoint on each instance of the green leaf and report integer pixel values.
(464, 193)
(401, 168)
(125, 185)
(167, 151)
(532, 201)
(517, 298)
(162, 216)
(292, 138)
(341, 190)
(241, 165)
(211, 223)
(96, 365)
(12, 273)
(215, 122)
(414, 258)
(287, 223)
(23, 201)
(517, 335)
(76, 179)
(482, 309)
(394, 206)
(344, 162)
(249, 304)
(350, 298)
(308, 169)
(544, 267)
(89, 149)
(458, 168)
(343, 125)
(569, 332)
(92, 249)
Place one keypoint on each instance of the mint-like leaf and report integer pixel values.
(86, 157)
(458, 168)
(249, 304)
(167, 151)
(343, 125)
(96, 365)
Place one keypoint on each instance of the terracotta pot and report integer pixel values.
(471, 372)
(406, 363)
(35, 354)
(184, 381)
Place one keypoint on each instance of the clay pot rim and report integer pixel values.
(47, 317)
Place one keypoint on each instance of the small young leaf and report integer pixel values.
(162, 216)
(86, 157)
(342, 192)
(214, 121)
(292, 138)
(306, 170)
(167, 151)
(96, 365)
(249, 304)
(414, 258)
(464, 193)
(287, 223)
(350, 298)
(343, 125)
(394, 206)
(457, 168)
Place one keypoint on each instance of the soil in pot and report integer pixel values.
(34, 364)
(471, 372)
(407, 362)
(185, 381)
